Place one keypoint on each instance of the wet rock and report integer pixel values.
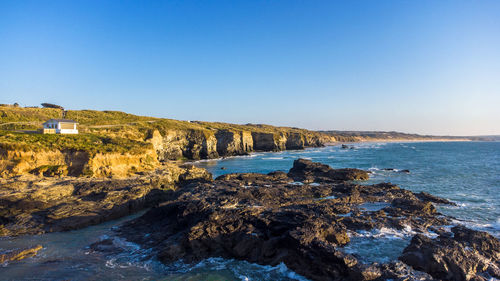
(398, 270)
(17, 255)
(424, 196)
(469, 255)
(255, 178)
(414, 206)
(308, 171)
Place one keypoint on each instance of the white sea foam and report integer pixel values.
(273, 158)
(327, 197)
(384, 232)
(242, 269)
(492, 228)
(373, 206)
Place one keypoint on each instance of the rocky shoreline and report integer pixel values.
(305, 219)
(272, 219)
(34, 205)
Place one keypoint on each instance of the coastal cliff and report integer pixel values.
(117, 144)
(196, 144)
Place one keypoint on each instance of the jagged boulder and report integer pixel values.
(309, 171)
(468, 255)
(424, 196)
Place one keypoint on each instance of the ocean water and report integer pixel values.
(467, 173)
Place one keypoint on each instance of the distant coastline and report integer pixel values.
(399, 140)
(381, 136)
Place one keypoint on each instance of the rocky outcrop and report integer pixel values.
(468, 255)
(20, 254)
(308, 171)
(33, 205)
(269, 219)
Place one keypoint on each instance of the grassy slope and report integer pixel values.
(103, 131)
(12, 118)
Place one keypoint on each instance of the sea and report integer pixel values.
(467, 173)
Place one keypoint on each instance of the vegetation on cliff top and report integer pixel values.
(84, 142)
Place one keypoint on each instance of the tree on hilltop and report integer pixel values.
(50, 105)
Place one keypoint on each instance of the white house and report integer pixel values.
(60, 126)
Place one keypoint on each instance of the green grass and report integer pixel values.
(90, 143)
(94, 117)
(20, 114)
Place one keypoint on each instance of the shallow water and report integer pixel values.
(66, 256)
(466, 172)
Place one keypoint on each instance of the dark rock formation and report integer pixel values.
(469, 255)
(295, 141)
(308, 171)
(424, 196)
(268, 219)
(268, 141)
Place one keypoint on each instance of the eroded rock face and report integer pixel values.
(308, 171)
(269, 219)
(468, 255)
(33, 205)
(58, 163)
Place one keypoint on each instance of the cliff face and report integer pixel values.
(231, 143)
(198, 144)
(74, 163)
(178, 144)
(120, 165)
(159, 146)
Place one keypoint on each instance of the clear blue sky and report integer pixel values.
(413, 66)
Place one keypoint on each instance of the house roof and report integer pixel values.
(61, 121)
